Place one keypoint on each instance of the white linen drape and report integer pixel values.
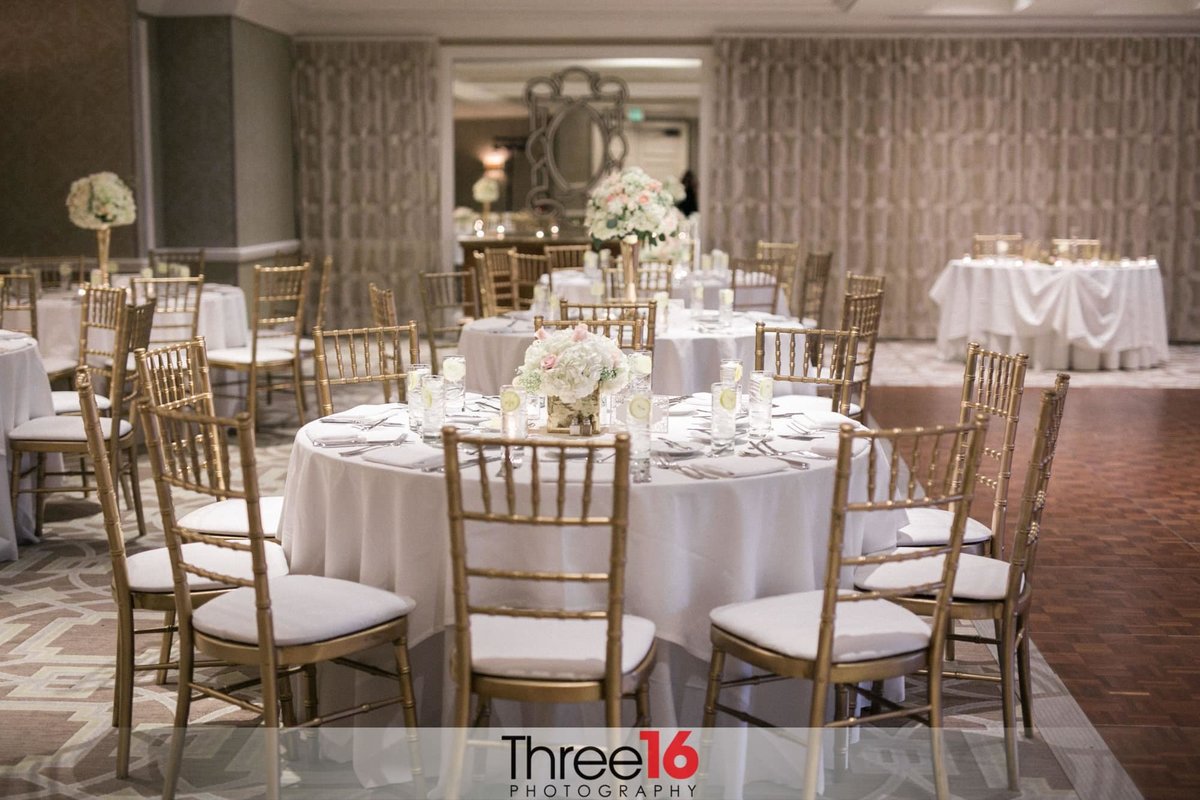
(894, 152)
(367, 142)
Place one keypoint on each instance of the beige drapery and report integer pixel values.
(894, 152)
(367, 145)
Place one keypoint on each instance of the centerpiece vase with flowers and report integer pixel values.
(634, 208)
(99, 202)
(486, 191)
(572, 368)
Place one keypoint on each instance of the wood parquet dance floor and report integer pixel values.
(1117, 603)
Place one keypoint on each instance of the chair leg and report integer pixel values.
(286, 704)
(409, 704)
(941, 781)
(183, 702)
(483, 713)
(123, 688)
(164, 653)
(1007, 651)
(40, 498)
(14, 481)
(841, 736)
(83, 478)
(298, 385)
(715, 669)
(1024, 679)
(642, 700)
(135, 481)
(462, 718)
(310, 691)
(816, 726)
(272, 693)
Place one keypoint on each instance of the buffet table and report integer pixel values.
(24, 394)
(1084, 316)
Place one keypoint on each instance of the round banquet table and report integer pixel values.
(24, 394)
(693, 545)
(1086, 316)
(576, 287)
(687, 355)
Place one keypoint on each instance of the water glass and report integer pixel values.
(433, 400)
(637, 416)
(412, 391)
(513, 416)
(726, 306)
(724, 417)
(641, 365)
(731, 372)
(762, 391)
(662, 311)
(454, 370)
(697, 295)
(660, 414)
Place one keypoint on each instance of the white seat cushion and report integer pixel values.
(62, 429)
(307, 345)
(930, 527)
(804, 402)
(978, 577)
(68, 402)
(304, 608)
(791, 623)
(241, 355)
(553, 649)
(228, 517)
(150, 570)
(56, 364)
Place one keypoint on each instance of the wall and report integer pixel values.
(66, 91)
(472, 137)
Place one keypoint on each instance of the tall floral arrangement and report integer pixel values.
(573, 364)
(101, 201)
(630, 204)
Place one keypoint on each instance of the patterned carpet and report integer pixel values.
(57, 635)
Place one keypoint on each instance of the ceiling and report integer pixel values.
(682, 20)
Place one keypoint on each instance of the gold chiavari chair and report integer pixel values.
(276, 324)
(494, 282)
(997, 244)
(383, 306)
(281, 625)
(652, 277)
(55, 272)
(108, 327)
(527, 271)
(541, 650)
(566, 256)
(839, 639)
(864, 284)
(822, 358)
(143, 581)
(993, 385)
(809, 304)
(18, 304)
(359, 356)
(177, 304)
(991, 589)
(758, 284)
(628, 333)
(448, 300)
(193, 260)
(863, 311)
(788, 254)
(614, 310)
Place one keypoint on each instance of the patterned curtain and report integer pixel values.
(367, 144)
(894, 152)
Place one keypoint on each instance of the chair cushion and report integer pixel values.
(553, 649)
(228, 517)
(307, 345)
(304, 608)
(930, 527)
(68, 402)
(804, 402)
(62, 429)
(150, 570)
(978, 577)
(58, 364)
(241, 355)
(791, 623)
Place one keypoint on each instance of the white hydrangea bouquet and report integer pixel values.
(572, 368)
(630, 204)
(486, 190)
(101, 201)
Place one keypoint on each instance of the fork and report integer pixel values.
(682, 469)
(358, 451)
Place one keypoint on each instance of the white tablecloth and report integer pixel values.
(24, 394)
(686, 358)
(575, 287)
(1073, 316)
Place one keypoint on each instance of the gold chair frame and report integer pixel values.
(361, 356)
(443, 296)
(864, 284)
(645, 310)
(527, 271)
(18, 292)
(497, 293)
(935, 477)
(825, 358)
(757, 275)
(46, 270)
(566, 256)
(194, 260)
(177, 296)
(628, 333)
(809, 300)
(383, 306)
(863, 311)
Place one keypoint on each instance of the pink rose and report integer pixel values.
(549, 361)
(643, 198)
(580, 333)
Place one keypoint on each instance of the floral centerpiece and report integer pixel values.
(98, 202)
(572, 368)
(486, 191)
(635, 208)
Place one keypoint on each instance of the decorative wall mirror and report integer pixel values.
(571, 110)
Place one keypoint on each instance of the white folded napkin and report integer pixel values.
(828, 446)
(393, 414)
(741, 466)
(413, 455)
(825, 420)
(323, 435)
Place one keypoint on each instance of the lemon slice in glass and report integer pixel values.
(728, 399)
(639, 408)
(510, 401)
(454, 369)
(426, 397)
(737, 373)
(766, 389)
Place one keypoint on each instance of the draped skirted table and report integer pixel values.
(693, 545)
(1072, 316)
(687, 355)
(24, 394)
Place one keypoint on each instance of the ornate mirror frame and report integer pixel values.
(551, 192)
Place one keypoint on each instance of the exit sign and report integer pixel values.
(636, 114)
